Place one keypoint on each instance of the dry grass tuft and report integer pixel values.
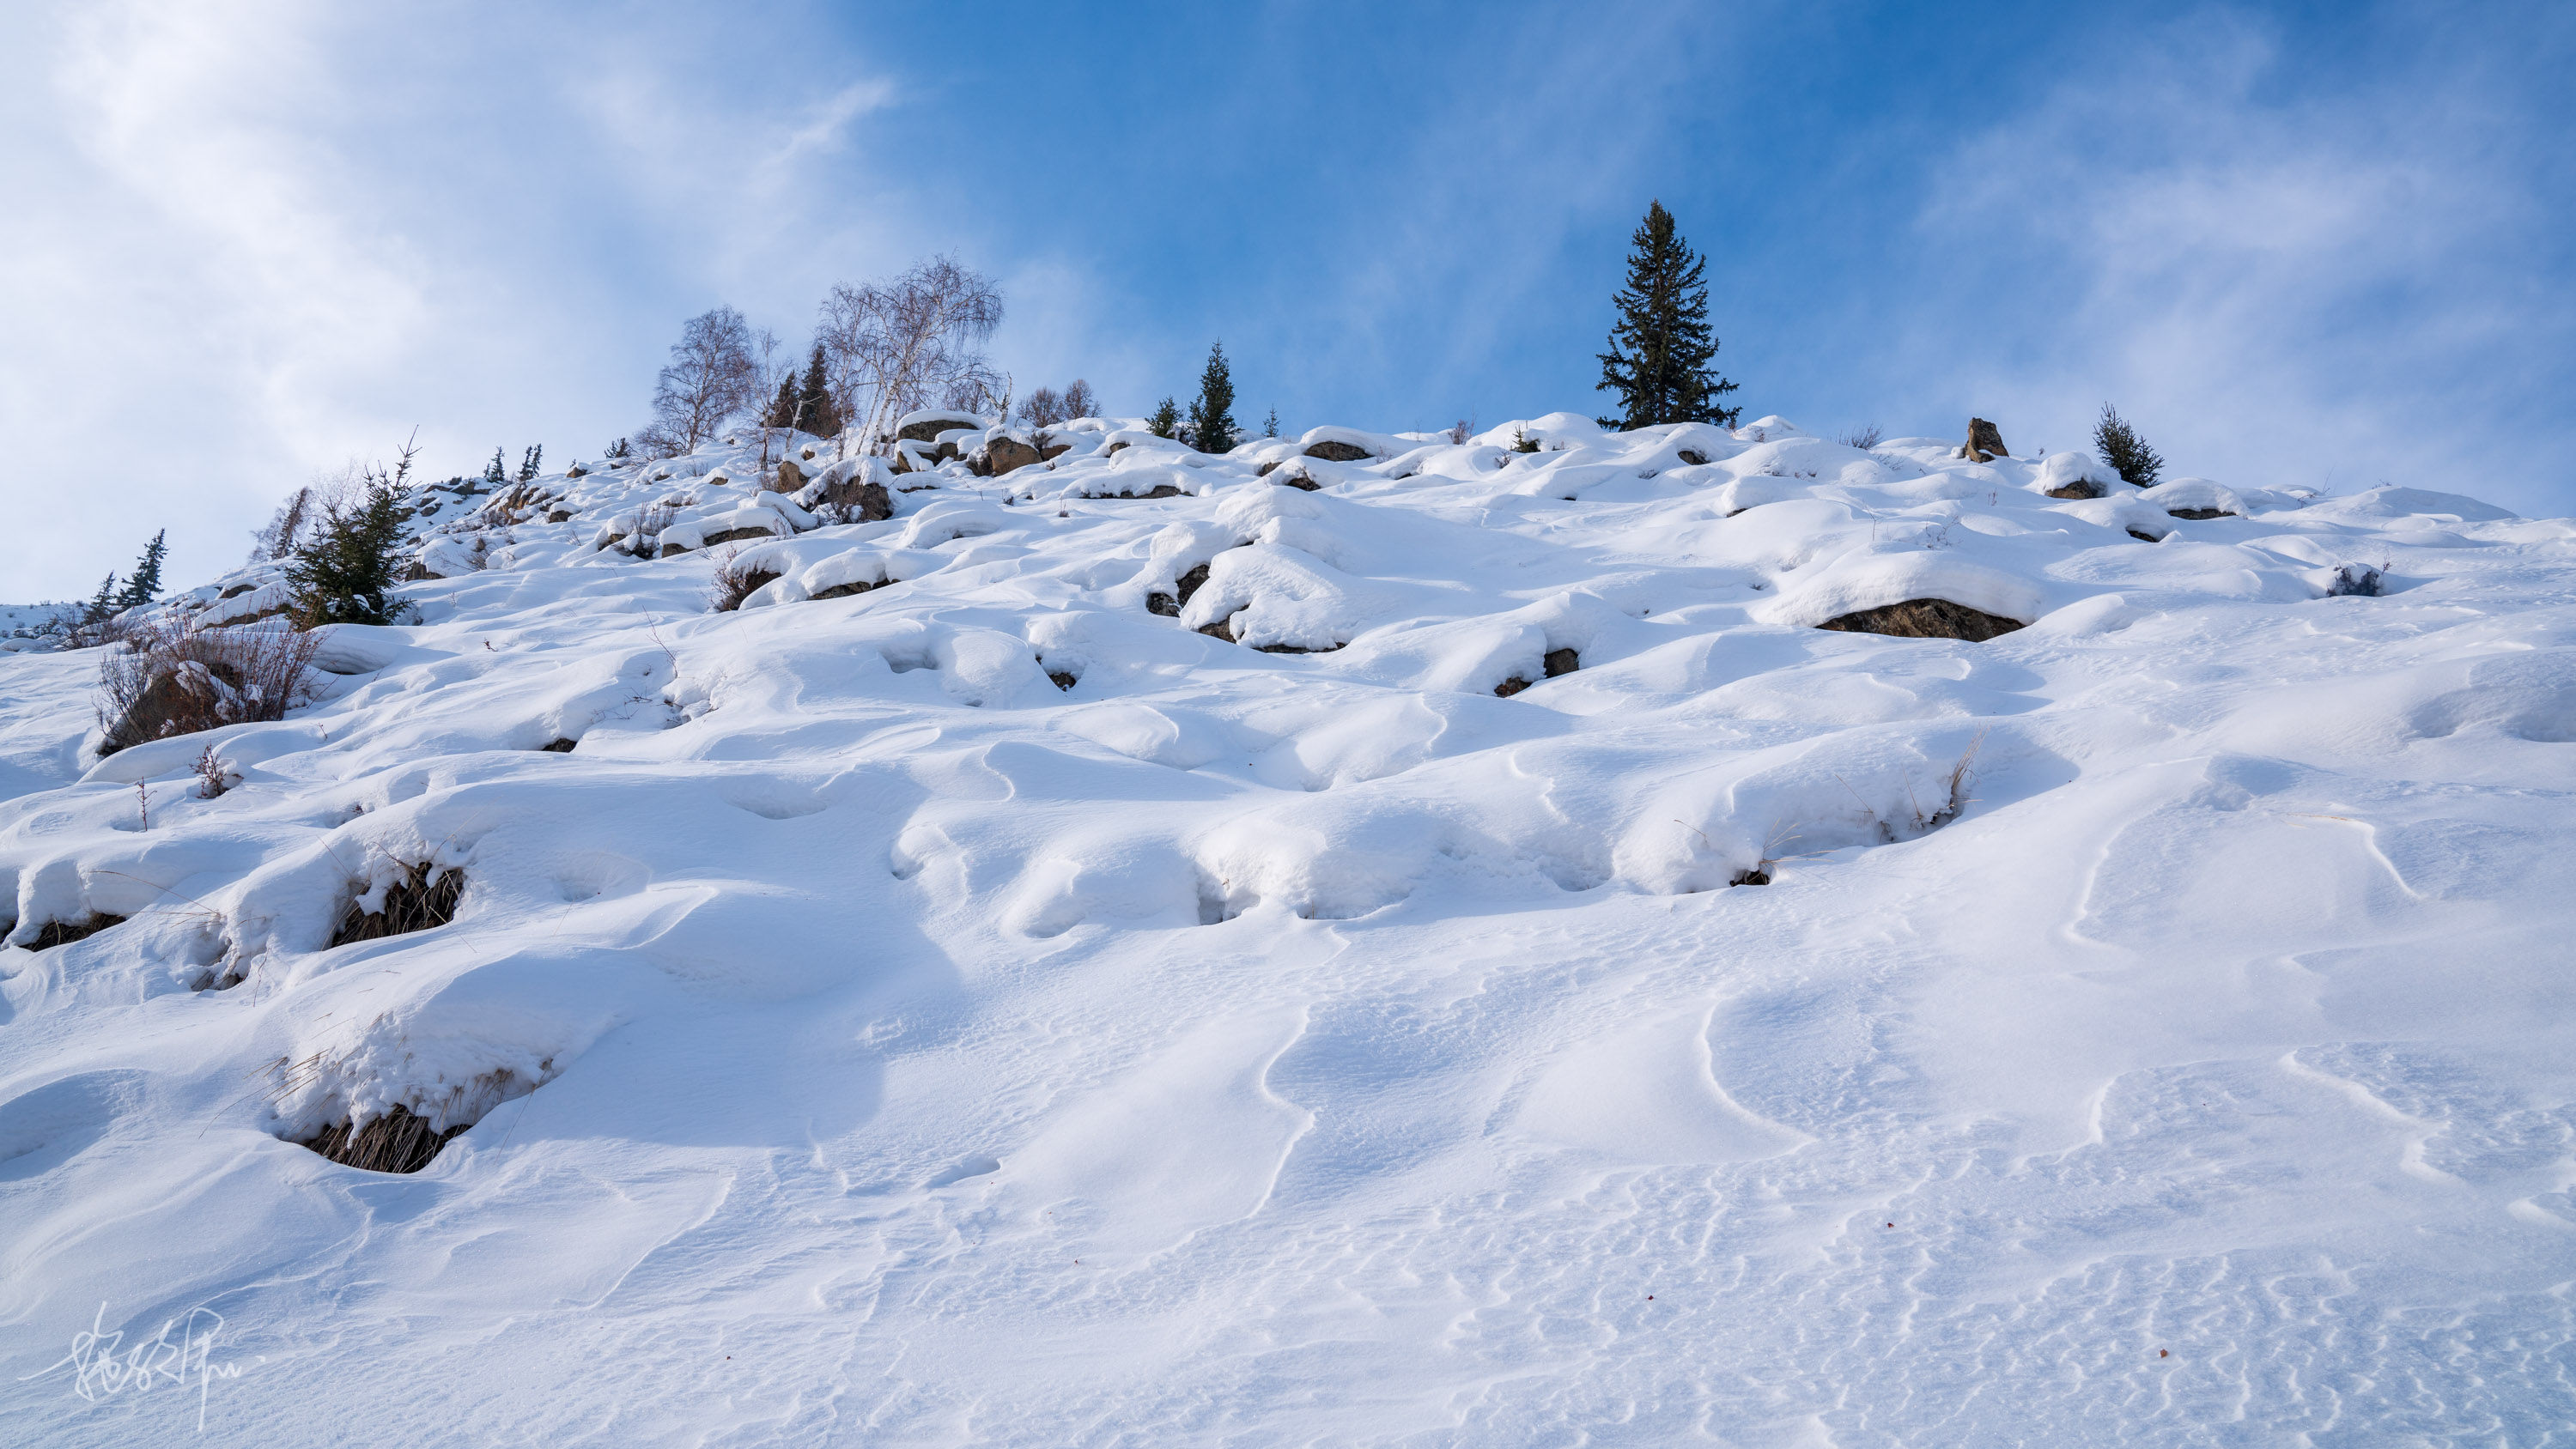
(425, 897)
(1963, 778)
(394, 1142)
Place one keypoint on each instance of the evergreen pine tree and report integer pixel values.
(820, 417)
(529, 461)
(619, 450)
(782, 408)
(1212, 414)
(2126, 452)
(492, 471)
(144, 584)
(1270, 424)
(1661, 346)
(102, 605)
(344, 571)
(1166, 420)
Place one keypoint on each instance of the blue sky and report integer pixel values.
(2314, 244)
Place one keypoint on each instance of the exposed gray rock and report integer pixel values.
(1925, 619)
(1334, 450)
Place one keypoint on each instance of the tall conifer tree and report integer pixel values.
(1212, 413)
(820, 417)
(1661, 346)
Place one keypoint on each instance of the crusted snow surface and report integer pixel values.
(1116, 971)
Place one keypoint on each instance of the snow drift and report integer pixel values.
(1360, 939)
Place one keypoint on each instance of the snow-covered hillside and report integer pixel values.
(1365, 940)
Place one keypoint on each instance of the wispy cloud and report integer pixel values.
(267, 236)
(2281, 283)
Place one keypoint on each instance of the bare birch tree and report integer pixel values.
(711, 377)
(897, 347)
(1043, 408)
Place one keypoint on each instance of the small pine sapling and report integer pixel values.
(1166, 420)
(144, 584)
(1270, 424)
(530, 461)
(344, 573)
(493, 473)
(2126, 452)
(93, 627)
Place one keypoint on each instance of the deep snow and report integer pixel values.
(1248, 1047)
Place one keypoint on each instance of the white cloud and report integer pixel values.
(260, 238)
(2279, 285)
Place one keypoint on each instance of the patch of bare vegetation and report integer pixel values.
(736, 581)
(394, 1142)
(171, 679)
(63, 933)
(423, 896)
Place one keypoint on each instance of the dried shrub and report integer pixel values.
(1864, 437)
(171, 679)
(394, 1142)
(736, 581)
(646, 540)
(425, 896)
(213, 778)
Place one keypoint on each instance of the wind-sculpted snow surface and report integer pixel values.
(1390, 943)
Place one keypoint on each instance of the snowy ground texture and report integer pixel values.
(982, 1009)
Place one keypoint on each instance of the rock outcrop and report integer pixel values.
(1925, 619)
(1985, 442)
